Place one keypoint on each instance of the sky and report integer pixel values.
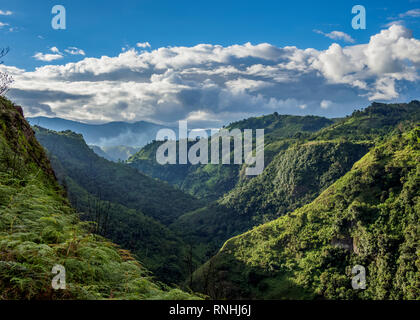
(209, 62)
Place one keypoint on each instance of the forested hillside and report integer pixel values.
(210, 181)
(369, 217)
(294, 178)
(39, 229)
(372, 123)
(128, 207)
(113, 181)
(298, 174)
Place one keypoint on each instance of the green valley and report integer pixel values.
(39, 229)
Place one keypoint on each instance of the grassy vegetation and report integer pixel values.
(38, 229)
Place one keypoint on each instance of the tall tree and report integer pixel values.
(5, 79)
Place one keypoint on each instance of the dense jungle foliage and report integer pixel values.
(210, 181)
(369, 217)
(39, 229)
(128, 207)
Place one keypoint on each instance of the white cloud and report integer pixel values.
(411, 13)
(55, 50)
(47, 56)
(392, 54)
(244, 85)
(75, 51)
(57, 54)
(337, 35)
(143, 45)
(385, 89)
(211, 84)
(3, 24)
(325, 104)
(389, 51)
(6, 13)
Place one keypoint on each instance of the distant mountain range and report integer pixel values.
(110, 134)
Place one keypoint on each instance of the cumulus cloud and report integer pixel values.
(143, 45)
(6, 13)
(48, 57)
(55, 50)
(337, 35)
(3, 24)
(57, 54)
(211, 85)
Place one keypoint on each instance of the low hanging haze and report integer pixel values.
(208, 62)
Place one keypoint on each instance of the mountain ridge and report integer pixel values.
(39, 230)
(134, 134)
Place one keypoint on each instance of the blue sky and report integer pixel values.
(159, 70)
(102, 27)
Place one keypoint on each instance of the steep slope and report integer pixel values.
(39, 229)
(99, 152)
(159, 249)
(207, 182)
(129, 208)
(210, 182)
(369, 217)
(115, 182)
(297, 175)
(289, 181)
(294, 178)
